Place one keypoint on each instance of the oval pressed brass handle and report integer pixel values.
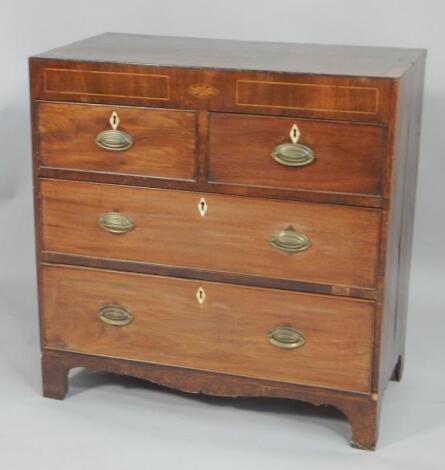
(290, 241)
(292, 153)
(115, 315)
(285, 337)
(115, 222)
(114, 139)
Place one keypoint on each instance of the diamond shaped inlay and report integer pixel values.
(294, 134)
(114, 120)
(202, 207)
(200, 295)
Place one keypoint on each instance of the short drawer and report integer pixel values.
(121, 140)
(264, 333)
(337, 157)
(328, 244)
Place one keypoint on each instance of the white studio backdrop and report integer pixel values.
(413, 428)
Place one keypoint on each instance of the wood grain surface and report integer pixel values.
(233, 236)
(348, 157)
(226, 333)
(239, 91)
(164, 140)
(248, 55)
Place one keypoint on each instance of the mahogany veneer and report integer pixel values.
(225, 334)
(227, 217)
(232, 237)
(240, 148)
(68, 131)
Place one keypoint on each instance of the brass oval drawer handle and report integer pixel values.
(114, 139)
(292, 153)
(115, 315)
(290, 241)
(286, 337)
(117, 223)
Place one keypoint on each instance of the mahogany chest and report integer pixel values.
(228, 218)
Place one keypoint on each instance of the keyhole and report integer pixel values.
(200, 295)
(294, 133)
(114, 120)
(202, 207)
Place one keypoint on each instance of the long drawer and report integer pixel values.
(316, 243)
(276, 335)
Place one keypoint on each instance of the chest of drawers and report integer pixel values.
(227, 218)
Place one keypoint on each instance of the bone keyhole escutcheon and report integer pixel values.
(202, 207)
(200, 295)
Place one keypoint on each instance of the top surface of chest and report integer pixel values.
(164, 51)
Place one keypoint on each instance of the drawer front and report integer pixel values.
(342, 157)
(76, 136)
(334, 244)
(360, 99)
(160, 320)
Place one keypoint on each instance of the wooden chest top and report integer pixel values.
(163, 51)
